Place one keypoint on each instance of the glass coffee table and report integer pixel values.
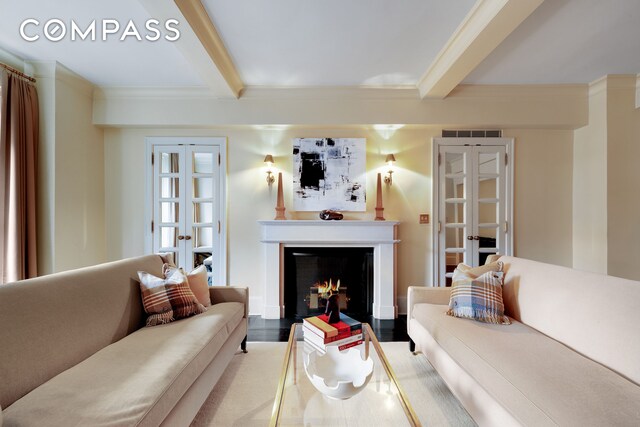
(298, 403)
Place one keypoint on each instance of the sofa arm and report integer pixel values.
(230, 294)
(426, 294)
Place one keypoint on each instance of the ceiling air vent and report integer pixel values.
(466, 133)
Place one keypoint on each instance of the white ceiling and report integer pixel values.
(567, 41)
(110, 63)
(335, 42)
(340, 43)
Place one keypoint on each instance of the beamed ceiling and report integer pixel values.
(226, 46)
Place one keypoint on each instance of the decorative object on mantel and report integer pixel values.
(329, 214)
(329, 172)
(390, 160)
(280, 202)
(268, 161)
(379, 207)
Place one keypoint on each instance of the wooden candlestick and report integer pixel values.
(379, 207)
(280, 202)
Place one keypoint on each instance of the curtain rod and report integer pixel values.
(21, 74)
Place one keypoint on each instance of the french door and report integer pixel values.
(472, 202)
(187, 206)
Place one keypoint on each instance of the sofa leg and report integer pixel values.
(243, 345)
(412, 346)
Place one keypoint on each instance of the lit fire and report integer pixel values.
(325, 290)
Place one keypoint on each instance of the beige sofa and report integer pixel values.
(571, 356)
(73, 350)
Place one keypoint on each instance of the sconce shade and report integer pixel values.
(268, 160)
(390, 158)
(388, 179)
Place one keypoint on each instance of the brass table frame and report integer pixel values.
(369, 337)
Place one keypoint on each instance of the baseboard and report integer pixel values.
(255, 306)
(402, 305)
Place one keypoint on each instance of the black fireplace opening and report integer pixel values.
(309, 272)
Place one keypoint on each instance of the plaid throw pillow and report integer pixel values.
(478, 297)
(168, 299)
(198, 282)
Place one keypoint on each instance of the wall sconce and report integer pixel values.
(388, 179)
(268, 161)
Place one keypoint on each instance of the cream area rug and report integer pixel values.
(244, 394)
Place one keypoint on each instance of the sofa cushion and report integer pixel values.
(594, 314)
(169, 298)
(135, 381)
(199, 284)
(539, 380)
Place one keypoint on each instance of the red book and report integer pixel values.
(317, 340)
(309, 330)
(345, 323)
(320, 324)
(351, 344)
(322, 350)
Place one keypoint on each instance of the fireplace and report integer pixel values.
(278, 236)
(309, 272)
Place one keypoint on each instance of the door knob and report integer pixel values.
(187, 237)
(476, 237)
(180, 237)
(469, 237)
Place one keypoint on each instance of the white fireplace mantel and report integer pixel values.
(379, 235)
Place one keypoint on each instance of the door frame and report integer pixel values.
(436, 143)
(221, 142)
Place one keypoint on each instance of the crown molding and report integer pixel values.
(548, 106)
(258, 93)
(613, 81)
(538, 91)
(12, 60)
(487, 24)
(58, 72)
(638, 91)
(330, 92)
(178, 92)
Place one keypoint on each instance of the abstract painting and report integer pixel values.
(329, 173)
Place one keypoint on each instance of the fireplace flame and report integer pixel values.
(326, 289)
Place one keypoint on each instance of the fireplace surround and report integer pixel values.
(381, 236)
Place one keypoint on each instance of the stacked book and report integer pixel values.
(320, 334)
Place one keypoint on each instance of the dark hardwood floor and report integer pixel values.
(278, 329)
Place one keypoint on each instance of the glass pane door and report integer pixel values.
(472, 202)
(489, 202)
(203, 216)
(455, 171)
(168, 208)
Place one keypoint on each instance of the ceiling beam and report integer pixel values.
(199, 20)
(487, 24)
(193, 49)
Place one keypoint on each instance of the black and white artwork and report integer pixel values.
(329, 173)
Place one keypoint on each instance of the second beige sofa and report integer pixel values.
(571, 356)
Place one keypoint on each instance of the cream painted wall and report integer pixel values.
(542, 199)
(623, 178)
(590, 187)
(46, 85)
(71, 173)
(606, 210)
(79, 184)
(250, 200)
